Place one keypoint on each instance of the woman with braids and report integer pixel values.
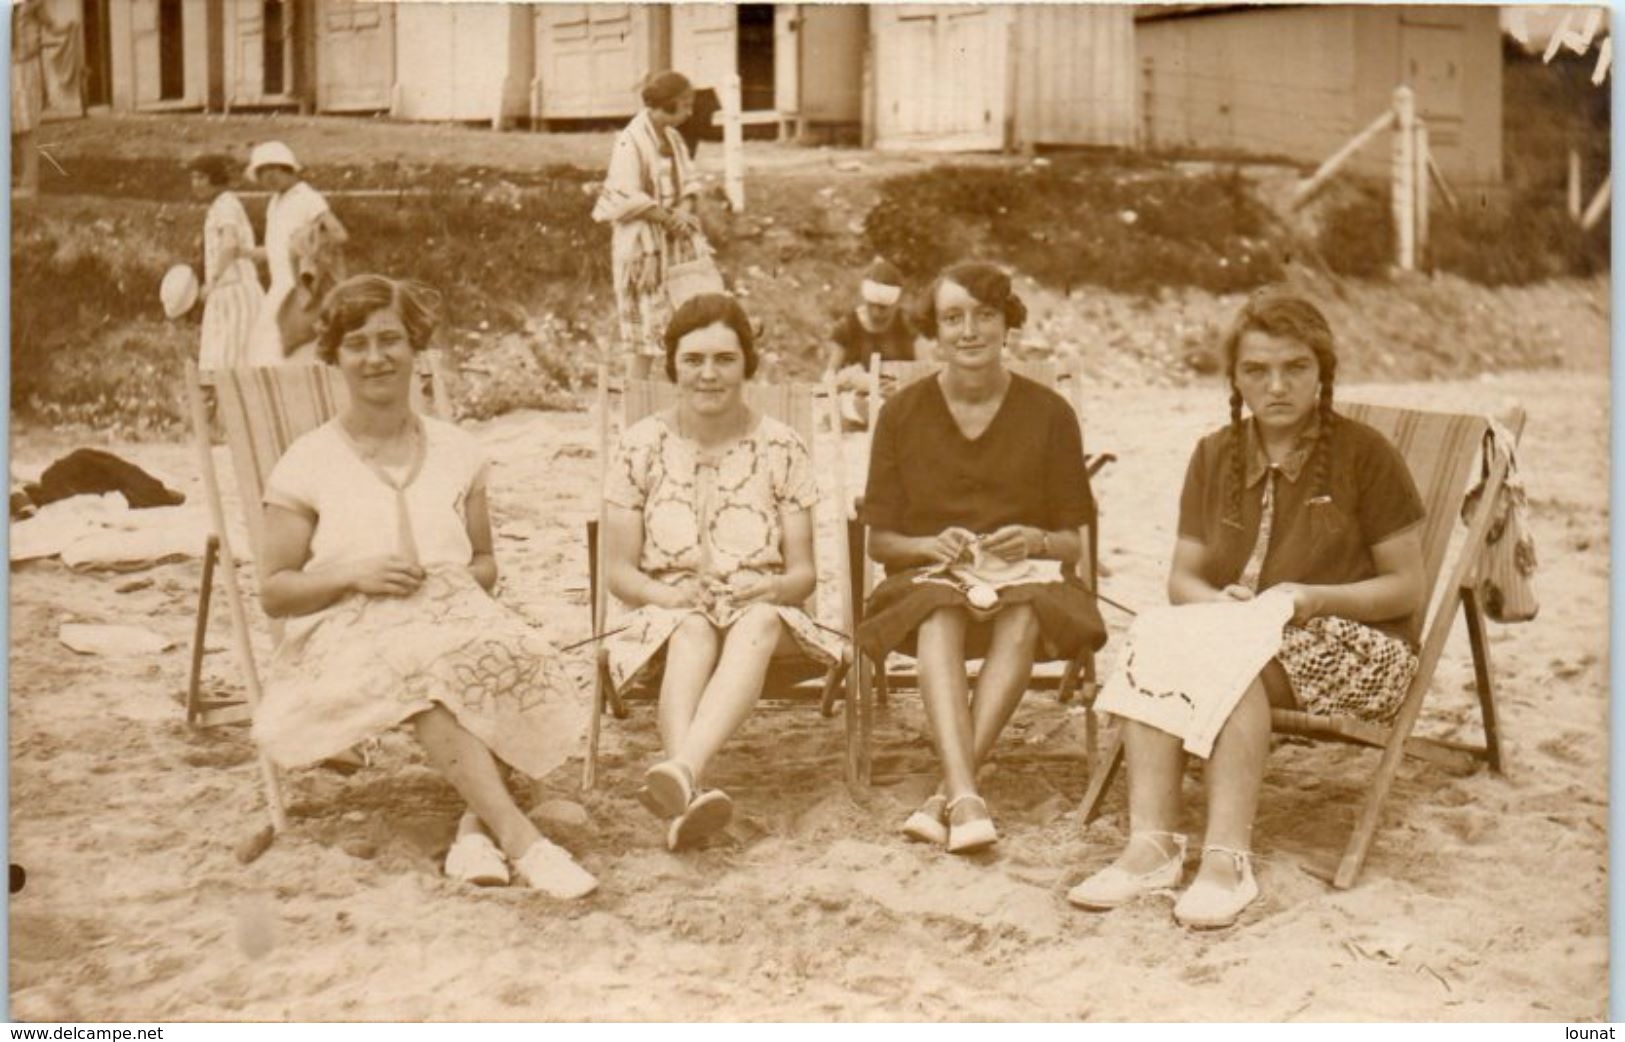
(1313, 513)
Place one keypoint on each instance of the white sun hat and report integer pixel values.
(178, 292)
(270, 153)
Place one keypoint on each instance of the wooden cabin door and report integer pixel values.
(941, 76)
(259, 52)
(1431, 58)
(788, 20)
(355, 56)
(169, 52)
(592, 59)
(705, 42)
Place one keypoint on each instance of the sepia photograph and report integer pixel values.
(834, 512)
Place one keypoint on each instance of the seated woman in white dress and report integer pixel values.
(377, 553)
(710, 543)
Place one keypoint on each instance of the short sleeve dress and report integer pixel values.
(1321, 531)
(234, 291)
(717, 520)
(365, 664)
(894, 343)
(925, 475)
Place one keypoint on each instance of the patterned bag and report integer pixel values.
(1505, 574)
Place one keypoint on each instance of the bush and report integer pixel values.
(1133, 233)
(1512, 243)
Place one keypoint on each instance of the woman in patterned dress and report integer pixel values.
(710, 546)
(232, 294)
(1298, 500)
(377, 553)
(648, 198)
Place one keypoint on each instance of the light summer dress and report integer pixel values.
(365, 664)
(716, 520)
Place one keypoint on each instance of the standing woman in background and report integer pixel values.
(648, 196)
(28, 24)
(232, 295)
(294, 204)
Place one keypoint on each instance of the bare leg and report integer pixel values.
(1156, 767)
(1235, 773)
(733, 689)
(691, 655)
(472, 771)
(946, 694)
(26, 157)
(1005, 675)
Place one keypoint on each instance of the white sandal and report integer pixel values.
(929, 823)
(1208, 906)
(475, 860)
(1115, 885)
(965, 837)
(550, 869)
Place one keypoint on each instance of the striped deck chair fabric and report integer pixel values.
(1442, 451)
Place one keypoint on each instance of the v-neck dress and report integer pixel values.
(925, 476)
(365, 664)
(718, 520)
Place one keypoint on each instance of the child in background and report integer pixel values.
(877, 326)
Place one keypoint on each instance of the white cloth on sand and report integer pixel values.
(1184, 667)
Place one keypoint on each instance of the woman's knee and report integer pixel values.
(758, 622)
(694, 633)
(1016, 625)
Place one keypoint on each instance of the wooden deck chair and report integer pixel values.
(1441, 450)
(788, 676)
(875, 681)
(262, 412)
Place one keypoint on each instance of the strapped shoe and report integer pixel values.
(1209, 906)
(970, 831)
(475, 860)
(929, 824)
(709, 813)
(1115, 885)
(551, 869)
(668, 789)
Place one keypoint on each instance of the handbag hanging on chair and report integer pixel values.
(1505, 577)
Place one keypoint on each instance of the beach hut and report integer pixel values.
(257, 52)
(463, 62)
(1299, 81)
(804, 61)
(355, 56)
(159, 54)
(968, 77)
(592, 58)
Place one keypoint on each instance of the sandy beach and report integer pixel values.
(1485, 897)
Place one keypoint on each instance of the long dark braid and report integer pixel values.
(1238, 460)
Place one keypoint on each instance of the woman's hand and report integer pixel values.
(1014, 542)
(1305, 600)
(764, 589)
(388, 576)
(1236, 592)
(950, 545)
(687, 592)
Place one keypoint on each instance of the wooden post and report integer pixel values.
(1404, 178)
(1574, 184)
(1420, 187)
(1336, 160)
(1598, 205)
(733, 144)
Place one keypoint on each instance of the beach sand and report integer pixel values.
(1485, 897)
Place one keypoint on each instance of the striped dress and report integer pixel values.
(234, 293)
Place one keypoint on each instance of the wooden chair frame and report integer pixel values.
(1444, 447)
(875, 681)
(797, 405)
(203, 710)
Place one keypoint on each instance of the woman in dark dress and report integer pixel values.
(978, 505)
